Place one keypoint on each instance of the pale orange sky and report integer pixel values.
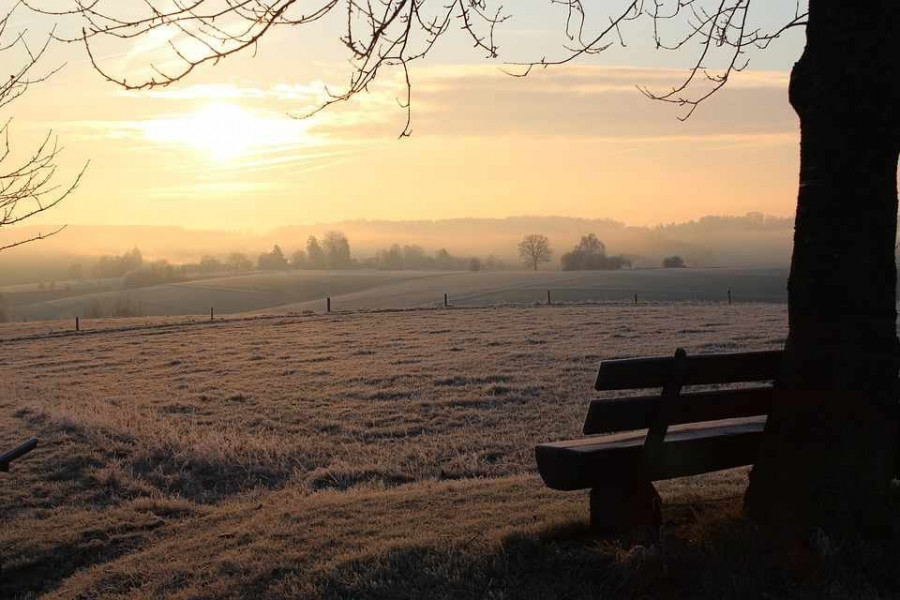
(221, 151)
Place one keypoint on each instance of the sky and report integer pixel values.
(221, 150)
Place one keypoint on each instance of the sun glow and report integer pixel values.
(227, 131)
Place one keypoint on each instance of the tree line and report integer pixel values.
(330, 252)
(589, 254)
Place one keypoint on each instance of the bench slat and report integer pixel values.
(637, 373)
(627, 414)
(688, 450)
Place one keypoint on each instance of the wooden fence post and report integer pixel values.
(549, 303)
(328, 304)
(729, 295)
(211, 314)
(635, 299)
(77, 325)
(445, 301)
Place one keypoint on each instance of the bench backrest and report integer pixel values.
(624, 414)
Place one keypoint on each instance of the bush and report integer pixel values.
(673, 262)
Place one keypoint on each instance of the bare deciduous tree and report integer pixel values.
(842, 354)
(28, 185)
(535, 249)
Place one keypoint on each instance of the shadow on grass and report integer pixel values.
(43, 568)
(714, 553)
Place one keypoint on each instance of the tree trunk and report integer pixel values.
(830, 445)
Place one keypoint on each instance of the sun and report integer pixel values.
(226, 131)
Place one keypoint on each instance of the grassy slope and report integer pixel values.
(381, 455)
(286, 291)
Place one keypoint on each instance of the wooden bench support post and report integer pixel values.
(625, 508)
(635, 504)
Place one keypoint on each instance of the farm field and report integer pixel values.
(286, 291)
(359, 455)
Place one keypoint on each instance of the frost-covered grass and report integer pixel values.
(285, 291)
(358, 455)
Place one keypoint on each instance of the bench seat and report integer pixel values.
(690, 449)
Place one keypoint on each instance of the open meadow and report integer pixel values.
(265, 292)
(360, 455)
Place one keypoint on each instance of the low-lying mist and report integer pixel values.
(751, 240)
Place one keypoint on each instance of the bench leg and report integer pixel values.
(626, 507)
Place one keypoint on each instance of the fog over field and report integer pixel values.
(750, 240)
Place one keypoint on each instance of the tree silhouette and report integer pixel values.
(830, 445)
(315, 255)
(337, 250)
(29, 185)
(673, 262)
(535, 249)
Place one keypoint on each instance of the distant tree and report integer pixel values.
(673, 262)
(475, 264)
(590, 255)
(391, 259)
(535, 249)
(492, 263)
(337, 250)
(118, 266)
(414, 257)
(315, 256)
(76, 271)
(237, 261)
(4, 309)
(272, 261)
(444, 260)
(210, 264)
(298, 260)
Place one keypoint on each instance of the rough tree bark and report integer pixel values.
(830, 445)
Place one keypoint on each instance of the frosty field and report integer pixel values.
(352, 455)
(286, 291)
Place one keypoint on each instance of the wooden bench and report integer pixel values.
(18, 452)
(663, 435)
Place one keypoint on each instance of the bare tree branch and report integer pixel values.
(28, 186)
(381, 34)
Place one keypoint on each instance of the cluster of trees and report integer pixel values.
(673, 262)
(332, 252)
(154, 273)
(415, 257)
(235, 261)
(588, 255)
(116, 266)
